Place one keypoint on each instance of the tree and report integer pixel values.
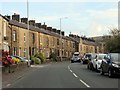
(113, 44)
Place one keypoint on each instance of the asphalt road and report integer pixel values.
(64, 75)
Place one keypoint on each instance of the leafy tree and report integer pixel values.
(113, 44)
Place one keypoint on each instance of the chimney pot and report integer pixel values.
(16, 17)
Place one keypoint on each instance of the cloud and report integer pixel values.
(102, 21)
(99, 29)
(109, 13)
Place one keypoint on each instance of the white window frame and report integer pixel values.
(24, 37)
(14, 35)
(4, 25)
(24, 52)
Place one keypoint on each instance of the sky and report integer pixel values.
(87, 17)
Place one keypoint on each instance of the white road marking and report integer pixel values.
(78, 77)
(75, 75)
(84, 83)
(8, 85)
(68, 67)
(70, 70)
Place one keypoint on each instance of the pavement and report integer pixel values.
(10, 78)
(63, 75)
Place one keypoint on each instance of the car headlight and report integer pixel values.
(115, 65)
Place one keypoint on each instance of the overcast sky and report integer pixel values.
(83, 17)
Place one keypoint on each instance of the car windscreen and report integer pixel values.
(76, 54)
(100, 57)
(88, 55)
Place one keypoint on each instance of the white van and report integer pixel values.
(75, 57)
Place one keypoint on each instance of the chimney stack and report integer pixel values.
(8, 17)
(16, 17)
(24, 20)
(54, 30)
(63, 33)
(44, 26)
(71, 35)
(58, 31)
(32, 22)
(38, 25)
(49, 28)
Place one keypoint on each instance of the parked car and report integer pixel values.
(111, 64)
(75, 57)
(88, 57)
(22, 59)
(90, 65)
(16, 60)
(97, 61)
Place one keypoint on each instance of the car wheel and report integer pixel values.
(110, 74)
(88, 66)
(91, 67)
(96, 68)
(72, 62)
(101, 72)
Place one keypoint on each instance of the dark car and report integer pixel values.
(111, 65)
(88, 57)
(75, 57)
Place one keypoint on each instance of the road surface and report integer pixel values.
(64, 75)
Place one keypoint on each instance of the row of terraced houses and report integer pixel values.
(19, 40)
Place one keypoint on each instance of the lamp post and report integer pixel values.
(28, 32)
(61, 35)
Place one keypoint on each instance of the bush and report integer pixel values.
(40, 56)
(35, 60)
(53, 56)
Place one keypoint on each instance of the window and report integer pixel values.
(81, 47)
(40, 38)
(33, 51)
(62, 53)
(5, 28)
(24, 37)
(73, 45)
(58, 52)
(14, 35)
(19, 51)
(53, 44)
(57, 41)
(62, 44)
(14, 50)
(47, 41)
(24, 52)
(33, 37)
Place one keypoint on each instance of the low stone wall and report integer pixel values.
(13, 68)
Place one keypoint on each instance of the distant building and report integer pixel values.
(85, 45)
(101, 42)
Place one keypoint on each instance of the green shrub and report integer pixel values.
(53, 56)
(40, 56)
(35, 60)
